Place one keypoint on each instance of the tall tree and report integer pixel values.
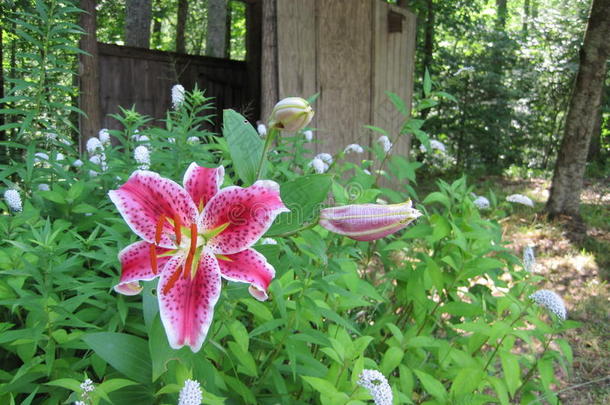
(582, 110)
(216, 43)
(428, 44)
(183, 6)
(89, 75)
(138, 16)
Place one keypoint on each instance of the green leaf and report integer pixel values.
(67, 383)
(427, 83)
(303, 197)
(432, 385)
(510, 366)
(398, 102)
(466, 381)
(126, 353)
(324, 387)
(391, 359)
(245, 145)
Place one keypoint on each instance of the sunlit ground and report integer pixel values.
(579, 272)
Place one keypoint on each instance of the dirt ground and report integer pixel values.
(577, 270)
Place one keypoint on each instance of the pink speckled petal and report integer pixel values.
(248, 266)
(135, 266)
(187, 307)
(366, 222)
(248, 211)
(202, 183)
(145, 197)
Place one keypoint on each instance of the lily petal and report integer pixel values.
(187, 305)
(136, 266)
(247, 213)
(202, 183)
(145, 198)
(248, 266)
(367, 222)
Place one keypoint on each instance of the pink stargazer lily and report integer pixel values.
(367, 222)
(192, 237)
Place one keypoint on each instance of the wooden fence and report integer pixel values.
(350, 52)
(144, 78)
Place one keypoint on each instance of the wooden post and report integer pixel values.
(269, 65)
(89, 76)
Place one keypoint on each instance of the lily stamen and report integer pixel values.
(192, 249)
(159, 228)
(172, 280)
(178, 229)
(153, 259)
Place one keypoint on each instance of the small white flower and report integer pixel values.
(529, 259)
(96, 159)
(551, 301)
(268, 241)
(308, 135)
(104, 136)
(93, 173)
(367, 172)
(318, 165)
(190, 394)
(377, 385)
(325, 157)
(481, 203)
(93, 145)
(385, 143)
(520, 199)
(177, 96)
(77, 163)
(87, 386)
(143, 139)
(141, 154)
(354, 147)
(59, 157)
(40, 156)
(13, 200)
(192, 140)
(79, 403)
(171, 140)
(43, 187)
(262, 130)
(434, 144)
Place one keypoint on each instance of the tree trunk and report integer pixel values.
(269, 68)
(157, 21)
(526, 17)
(216, 44)
(585, 100)
(501, 14)
(228, 34)
(138, 15)
(253, 57)
(596, 137)
(89, 76)
(183, 7)
(428, 44)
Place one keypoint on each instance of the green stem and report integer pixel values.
(268, 141)
(530, 373)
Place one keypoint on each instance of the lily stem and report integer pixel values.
(268, 141)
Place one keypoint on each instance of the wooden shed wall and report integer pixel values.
(343, 49)
(145, 77)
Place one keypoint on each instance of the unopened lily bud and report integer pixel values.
(366, 222)
(291, 114)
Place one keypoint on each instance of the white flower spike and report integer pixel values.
(262, 130)
(308, 135)
(104, 136)
(93, 145)
(177, 96)
(385, 142)
(190, 394)
(318, 165)
(529, 259)
(13, 200)
(481, 203)
(354, 147)
(142, 156)
(377, 385)
(520, 199)
(325, 157)
(552, 301)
